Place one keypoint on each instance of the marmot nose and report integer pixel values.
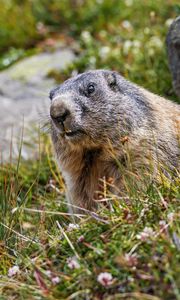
(59, 116)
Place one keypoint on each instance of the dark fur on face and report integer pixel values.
(93, 115)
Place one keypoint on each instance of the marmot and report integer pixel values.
(173, 49)
(98, 117)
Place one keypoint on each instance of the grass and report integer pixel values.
(135, 238)
(36, 237)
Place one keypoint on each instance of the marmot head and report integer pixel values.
(90, 107)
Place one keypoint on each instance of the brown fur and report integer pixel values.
(150, 142)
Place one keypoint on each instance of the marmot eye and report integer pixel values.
(91, 88)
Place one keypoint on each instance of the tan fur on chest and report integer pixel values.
(105, 127)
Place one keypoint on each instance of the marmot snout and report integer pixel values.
(93, 115)
(80, 107)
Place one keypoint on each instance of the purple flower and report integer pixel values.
(55, 280)
(13, 271)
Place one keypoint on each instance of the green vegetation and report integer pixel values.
(137, 240)
(127, 36)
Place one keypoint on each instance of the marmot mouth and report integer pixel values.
(71, 133)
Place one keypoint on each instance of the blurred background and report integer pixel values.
(44, 42)
(125, 35)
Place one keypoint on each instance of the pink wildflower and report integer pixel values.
(13, 271)
(81, 239)
(145, 234)
(55, 280)
(131, 259)
(73, 263)
(105, 278)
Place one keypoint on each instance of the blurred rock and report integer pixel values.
(24, 91)
(173, 47)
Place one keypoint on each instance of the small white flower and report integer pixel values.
(129, 2)
(126, 24)
(105, 278)
(126, 46)
(136, 43)
(48, 273)
(13, 271)
(73, 263)
(169, 22)
(148, 230)
(162, 223)
(156, 42)
(151, 51)
(72, 226)
(104, 51)
(135, 51)
(86, 36)
(92, 61)
(145, 234)
(41, 28)
(55, 280)
(130, 279)
(170, 217)
(146, 30)
(103, 33)
(6, 61)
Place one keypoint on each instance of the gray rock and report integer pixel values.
(24, 91)
(173, 47)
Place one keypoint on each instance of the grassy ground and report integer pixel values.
(44, 256)
(137, 241)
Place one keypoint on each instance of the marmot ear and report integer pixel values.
(51, 94)
(111, 79)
